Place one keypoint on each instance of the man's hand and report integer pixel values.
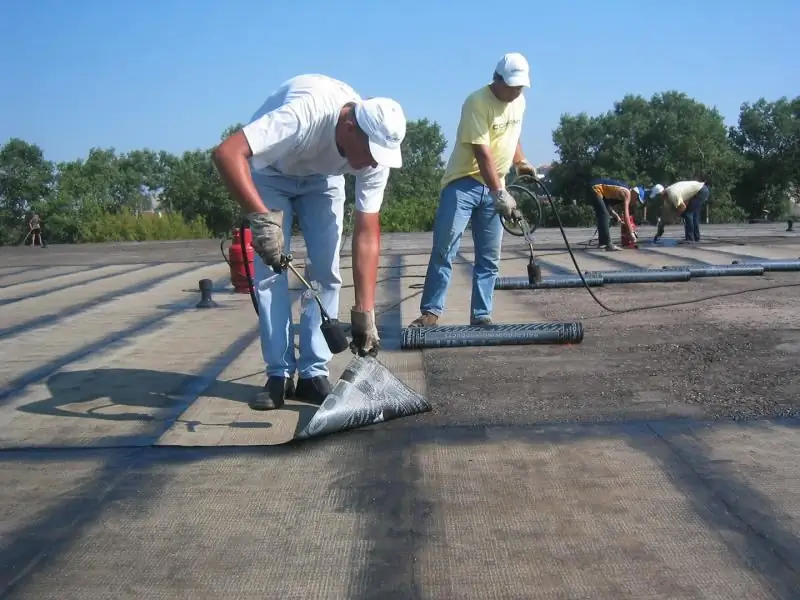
(525, 168)
(365, 333)
(267, 229)
(505, 204)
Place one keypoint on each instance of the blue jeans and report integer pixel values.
(692, 216)
(459, 201)
(318, 202)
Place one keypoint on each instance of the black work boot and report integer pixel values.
(275, 391)
(313, 390)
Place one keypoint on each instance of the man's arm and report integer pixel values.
(370, 187)
(266, 138)
(521, 163)
(486, 164)
(626, 206)
(474, 131)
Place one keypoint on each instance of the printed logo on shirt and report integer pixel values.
(503, 124)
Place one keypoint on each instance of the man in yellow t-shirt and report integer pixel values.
(486, 147)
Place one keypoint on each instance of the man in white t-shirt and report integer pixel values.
(291, 160)
(684, 198)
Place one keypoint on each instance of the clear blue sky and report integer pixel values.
(172, 74)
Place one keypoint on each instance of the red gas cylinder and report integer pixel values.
(628, 235)
(236, 260)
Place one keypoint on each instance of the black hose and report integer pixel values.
(246, 225)
(523, 283)
(455, 336)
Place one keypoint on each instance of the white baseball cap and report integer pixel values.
(384, 122)
(657, 189)
(514, 70)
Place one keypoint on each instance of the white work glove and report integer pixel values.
(505, 204)
(525, 168)
(267, 230)
(365, 334)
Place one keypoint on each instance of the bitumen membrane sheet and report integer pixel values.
(656, 459)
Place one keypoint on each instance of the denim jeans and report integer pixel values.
(318, 203)
(692, 216)
(459, 201)
(603, 218)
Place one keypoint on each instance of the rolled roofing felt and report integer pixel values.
(719, 270)
(367, 393)
(455, 336)
(522, 283)
(773, 265)
(642, 276)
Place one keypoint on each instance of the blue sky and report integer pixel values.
(172, 74)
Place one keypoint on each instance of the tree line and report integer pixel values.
(148, 194)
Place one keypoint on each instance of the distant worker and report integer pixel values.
(794, 213)
(290, 160)
(605, 192)
(682, 198)
(486, 146)
(35, 230)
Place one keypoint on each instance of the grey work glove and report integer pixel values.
(505, 204)
(365, 333)
(267, 229)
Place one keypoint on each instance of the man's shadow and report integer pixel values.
(147, 396)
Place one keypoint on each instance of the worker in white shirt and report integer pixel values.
(290, 160)
(682, 198)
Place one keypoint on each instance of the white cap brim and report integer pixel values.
(386, 157)
(518, 79)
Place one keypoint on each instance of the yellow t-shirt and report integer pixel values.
(488, 121)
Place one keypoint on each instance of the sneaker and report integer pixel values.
(426, 319)
(480, 321)
(611, 247)
(275, 392)
(313, 390)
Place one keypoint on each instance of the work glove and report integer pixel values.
(505, 204)
(525, 168)
(365, 333)
(267, 233)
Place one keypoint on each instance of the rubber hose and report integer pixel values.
(641, 276)
(522, 283)
(719, 270)
(774, 265)
(246, 224)
(457, 336)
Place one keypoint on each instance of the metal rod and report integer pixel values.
(522, 283)
(774, 265)
(456, 336)
(719, 270)
(641, 276)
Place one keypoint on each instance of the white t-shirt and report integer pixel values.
(294, 133)
(681, 192)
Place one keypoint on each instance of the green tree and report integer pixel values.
(768, 139)
(26, 178)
